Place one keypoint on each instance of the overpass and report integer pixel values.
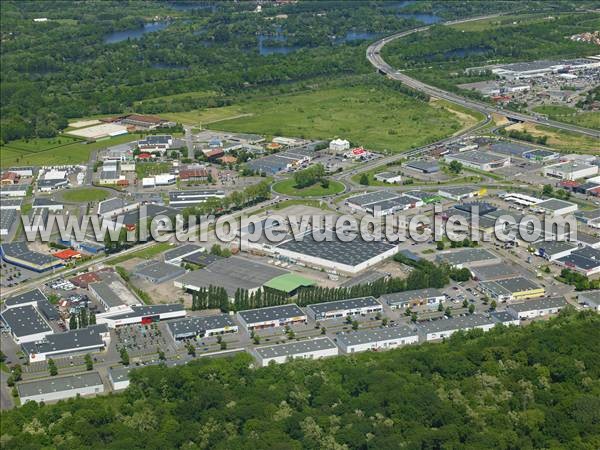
(374, 57)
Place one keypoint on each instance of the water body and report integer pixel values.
(119, 36)
(465, 52)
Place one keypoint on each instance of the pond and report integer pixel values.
(119, 36)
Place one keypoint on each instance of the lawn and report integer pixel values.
(378, 118)
(41, 152)
(588, 119)
(84, 195)
(561, 140)
(145, 253)
(287, 187)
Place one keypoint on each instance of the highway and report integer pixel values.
(374, 57)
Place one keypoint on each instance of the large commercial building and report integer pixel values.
(94, 338)
(271, 317)
(18, 253)
(112, 294)
(30, 298)
(553, 250)
(192, 327)
(461, 192)
(142, 315)
(175, 256)
(555, 207)
(307, 349)
(477, 159)
(344, 308)
(570, 170)
(537, 308)
(60, 388)
(157, 272)
(382, 203)
(585, 260)
(376, 339)
(25, 324)
(444, 328)
(591, 299)
(509, 289)
(430, 297)
(468, 257)
(187, 199)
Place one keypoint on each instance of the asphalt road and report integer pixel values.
(374, 57)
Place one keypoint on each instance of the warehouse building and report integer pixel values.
(25, 324)
(157, 272)
(541, 155)
(187, 199)
(591, 299)
(115, 206)
(468, 257)
(334, 254)
(430, 297)
(382, 203)
(570, 170)
(585, 260)
(94, 338)
(14, 190)
(555, 207)
(344, 308)
(271, 317)
(18, 253)
(479, 160)
(505, 318)
(176, 255)
(461, 192)
(60, 388)
(29, 298)
(142, 315)
(119, 377)
(10, 203)
(156, 143)
(537, 308)
(587, 240)
(376, 339)
(553, 250)
(230, 273)
(494, 272)
(8, 219)
(388, 177)
(444, 328)
(200, 327)
(307, 349)
(509, 289)
(423, 166)
(112, 294)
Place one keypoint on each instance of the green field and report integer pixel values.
(205, 116)
(144, 169)
(561, 139)
(588, 119)
(54, 151)
(378, 118)
(287, 187)
(145, 253)
(84, 195)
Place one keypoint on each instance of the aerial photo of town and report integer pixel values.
(300, 224)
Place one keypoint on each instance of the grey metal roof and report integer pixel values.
(554, 204)
(466, 255)
(579, 262)
(455, 323)
(271, 313)
(496, 271)
(351, 253)
(510, 148)
(539, 303)
(111, 204)
(182, 250)
(294, 348)
(9, 202)
(515, 284)
(34, 295)
(553, 247)
(148, 212)
(375, 335)
(425, 166)
(367, 277)
(149, 310)
(502, 316)
(158, 270)
(351, 303)
(42, 202)
(8, 218)
(459, 190)
(199, 325)
(478, 157)
(19, 250)
(59, 384)
(68, 341)
(590, 297)
(372, 197)
(48, 310)
(108, 295)
(408, 296)
(25, 321)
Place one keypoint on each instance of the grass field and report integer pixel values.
(84, 195)
(378, 118)
(205, 116)
(588, 119)
(496, 22)
(561, 140)
(287, 187)
(146, 253)
(54, 151)
(143, 170)
(467, 117)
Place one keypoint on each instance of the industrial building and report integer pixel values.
(14, 190)
(156, 143)
(8, 220)
(461, 192)
(468, 257)
(271, 317)
(306, 349)
(505, 318)
(553, 250)
(334, 254)
(112, 294)
(142, 315)
(114, 206)
(25, 324)
(388, 177)
(479, 160)
(541, 155)
(512, 289)
(18, 253)
(382, 203)
(187, 199)
(119, 377)
(30, 298)
(157, 271)
(60, 388)
(94, 338)
(430, 297)
(376, 339)
(570, 170)
(230, 273)
(423, 166)
(444, 328)
(555, 207)
(200, 327)
(175, 256)
(591, 299)
(494, 272)
(537, 308)
(344, 308)
(585, 260)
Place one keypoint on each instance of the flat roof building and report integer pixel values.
(157, 271)
(113, 294)
(430, 297)
(60, 388)
(193, 327)
(344, 308)
(306, 349)
(176, 255)
(556, 207)
(477, 159)
(570, 170)
(517, 288)
(31, 298)
(270, 317)
(591, 299)
(18, 253)
(186, 199)
(142, 314)
(376, 339)
(537, 308)
(460, 192)
(25, 324)
(444, 328)
(468, 257)
(423, 166)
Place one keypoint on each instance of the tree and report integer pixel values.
(161, 354)
(547, 190)
(440, 245)
(355, 325)
(364, 179)
(471, 309)
(124, 356)
(52, 367)
(191, 349)
(89, 362)
(448, 312)
(73, 322)
(465, 303)
(455, 167)
(493, 305)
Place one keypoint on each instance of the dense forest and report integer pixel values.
(67, 67)
(532, 387)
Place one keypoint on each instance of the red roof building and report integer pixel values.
(144, 156)
(199, 174)
(228, 159)
(9, 178)
(67, 254)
